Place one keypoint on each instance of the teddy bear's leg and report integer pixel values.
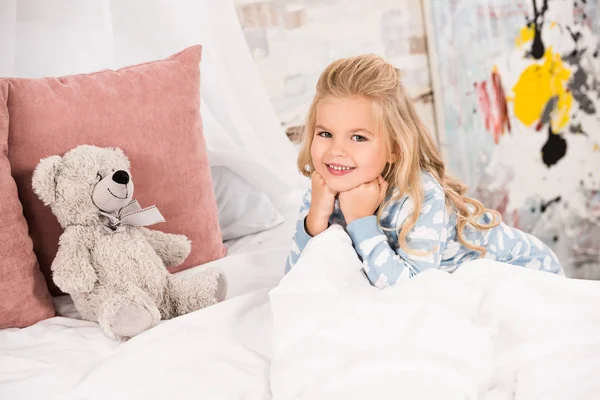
(127, 312)
(186, 295)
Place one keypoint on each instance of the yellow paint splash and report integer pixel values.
(596, 147)
(525, 35)
(539, 83)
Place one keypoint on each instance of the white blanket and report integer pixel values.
(488, 331)
(220, 353)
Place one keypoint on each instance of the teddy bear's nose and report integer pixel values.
(121, 177)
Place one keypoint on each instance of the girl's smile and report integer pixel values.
(338, 169)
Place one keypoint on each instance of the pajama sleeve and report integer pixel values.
(384, 266)
(301, 237)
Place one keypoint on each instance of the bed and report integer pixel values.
(221, 352)
(486, 332)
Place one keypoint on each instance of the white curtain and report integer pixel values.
(59, 37)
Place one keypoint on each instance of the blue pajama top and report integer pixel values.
(435, 233)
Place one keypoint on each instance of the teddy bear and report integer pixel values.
(112, 266)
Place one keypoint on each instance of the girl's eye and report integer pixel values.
(324, 134)
(359, 138)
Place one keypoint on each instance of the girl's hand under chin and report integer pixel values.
(321, 205)
(363, 200)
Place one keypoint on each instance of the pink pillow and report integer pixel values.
(152, 112)
(24, 297)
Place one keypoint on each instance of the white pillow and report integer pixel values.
(242, 209)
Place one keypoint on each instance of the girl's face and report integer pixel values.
(347, 150)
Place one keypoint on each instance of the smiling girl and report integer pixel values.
(376, 171)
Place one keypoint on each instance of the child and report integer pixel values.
(363, 137)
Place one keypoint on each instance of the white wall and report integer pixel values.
(293, 41)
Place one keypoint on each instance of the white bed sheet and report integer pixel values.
(65, 357)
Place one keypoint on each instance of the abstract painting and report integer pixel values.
(519, 111)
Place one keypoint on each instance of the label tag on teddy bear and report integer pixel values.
(133, 215)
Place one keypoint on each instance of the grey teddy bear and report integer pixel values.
(113, 267)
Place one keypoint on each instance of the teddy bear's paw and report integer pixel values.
(221, 291)
(215, 284)
(131, 320)
(180, 248)
(187, 295)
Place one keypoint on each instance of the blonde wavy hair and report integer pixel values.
(406, 139)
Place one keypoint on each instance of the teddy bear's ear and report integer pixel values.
(119, 151)
(44, 179)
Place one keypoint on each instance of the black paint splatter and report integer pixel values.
(578, 84)
(554, 149)
(575, 35)
(574, 58)
(544, 206)
(537, 48)
(577, 129)
(585, 103)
